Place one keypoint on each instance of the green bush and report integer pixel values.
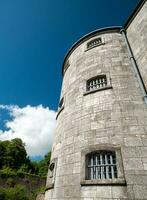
(19, 192)
(41, 189)
(2, 194)
(10, 182)
(7, 172)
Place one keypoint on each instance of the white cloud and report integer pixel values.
(34, 125)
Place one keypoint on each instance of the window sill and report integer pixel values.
(118, 181)
(50, 186)
(59, 111)
(96, 90)
(95, 46)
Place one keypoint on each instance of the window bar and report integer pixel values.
(96, 83)
(93, 83)
(94, 167)
(106, 161)
(100, 81)
(104, 83)
(96, 170)
(98, 167)
(91, 168)
(112, 166)
(101, 162)
(104, 166)
(91, 86)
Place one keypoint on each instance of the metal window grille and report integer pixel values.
(97, 83)
(94, 43)
(101, 165)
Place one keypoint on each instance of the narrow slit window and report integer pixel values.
(101, 165)
(94, 43)
(97, 83)
(61, 102)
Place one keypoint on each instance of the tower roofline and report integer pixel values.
(104, 30)
(134, 13)
(87, 36)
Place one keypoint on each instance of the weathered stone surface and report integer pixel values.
(40, 196)
(137, 37)
(112, 118)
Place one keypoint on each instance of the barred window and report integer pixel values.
(97, 82)
(101, 165)
(94, 43)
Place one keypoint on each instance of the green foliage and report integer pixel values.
(41, 189)
(2, 194)
(10, 182)
(14, 160)
(12, 153)
(18, 192)
(3, 152)
(43, 164)
(7, 172)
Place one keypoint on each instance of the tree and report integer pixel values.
(19, 192)
(13, 160)
(43, 164)
(16, 153)
(2, 194)
(3, 152)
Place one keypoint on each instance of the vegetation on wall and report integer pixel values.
(14, 165)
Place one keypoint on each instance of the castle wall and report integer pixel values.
(137, 35)
(114, 118)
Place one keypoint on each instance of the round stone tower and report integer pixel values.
(99, 140)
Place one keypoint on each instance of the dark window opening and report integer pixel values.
(97, 83)
(101, 165)
(94, 43)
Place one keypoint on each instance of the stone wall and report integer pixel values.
(112, 118)
(40, 196)
(137, 35)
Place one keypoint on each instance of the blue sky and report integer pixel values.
(34, 38)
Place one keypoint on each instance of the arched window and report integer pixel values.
(97, 82)
(93, 43)
(101, 165)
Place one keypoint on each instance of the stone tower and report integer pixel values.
(100, 147)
